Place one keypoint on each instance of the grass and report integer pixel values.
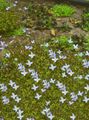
(62, 10)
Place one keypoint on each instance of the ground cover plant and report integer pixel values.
(4, 4)
(86, 20)
(39, 13)
(86, 43)
(8, 22)
(62, 10)
(9, 19)
(44, 71)
(36, 83)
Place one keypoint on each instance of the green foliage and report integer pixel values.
(41, 64)
(31, 8)
(65, 27)
(4, 4)
(45, 22)
(8, 22)
(86, 15)
(86, 43)
(62, 10)
(18, 32)
(63, 40)
(86, 21)
(41, 17)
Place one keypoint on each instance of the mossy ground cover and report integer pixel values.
(46, 79)
(86, 20)
(43, 80)
(4, 4)
(62, 10)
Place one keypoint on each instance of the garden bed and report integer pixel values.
(44, 60)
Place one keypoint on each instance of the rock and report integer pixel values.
(78, 32)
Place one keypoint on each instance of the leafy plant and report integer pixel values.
(41, 17)
(8, 22)
(86, 43)
(65, 27)
(86, 21)
(63, 40)
(31, 7)
(4, 4)
(18, 32)
(62, 10)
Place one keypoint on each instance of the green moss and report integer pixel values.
(8, 22)
(18, 32)
(86, 20)
(41, 62)
(40, 17)
(86, 43)
(62, 10)
(4, 4)
(62, 41)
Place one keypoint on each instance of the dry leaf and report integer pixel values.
(53, 32)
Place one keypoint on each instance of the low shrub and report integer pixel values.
(62, 10)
